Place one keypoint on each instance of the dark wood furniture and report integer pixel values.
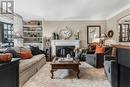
(9, 73)
(74, 65)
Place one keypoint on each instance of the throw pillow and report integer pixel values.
(13, 52)
(35, 50)
(5, 57)
(100, 49)
(25, 55)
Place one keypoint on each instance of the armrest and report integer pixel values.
(109, 57)
(44, 52)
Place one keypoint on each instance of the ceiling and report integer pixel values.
(69, 9)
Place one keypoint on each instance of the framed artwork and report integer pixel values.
(93, 32)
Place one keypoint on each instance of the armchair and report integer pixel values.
(110, 69)
(97, 60)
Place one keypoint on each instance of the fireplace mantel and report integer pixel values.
(55, 43)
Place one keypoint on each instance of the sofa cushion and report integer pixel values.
(25, 55)
(25, 64)
(99, 49)
(35, 50)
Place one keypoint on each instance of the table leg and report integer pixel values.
(52, 74)
(78, 74)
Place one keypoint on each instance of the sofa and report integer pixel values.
(28, 67)
(97, 60)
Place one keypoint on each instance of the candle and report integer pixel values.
(63, 52)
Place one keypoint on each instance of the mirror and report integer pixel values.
(124, 29)
(93, 33)
(110, 34)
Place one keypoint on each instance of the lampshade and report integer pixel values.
(103, 35)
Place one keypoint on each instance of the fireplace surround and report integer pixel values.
(62, 51)
(68, 44)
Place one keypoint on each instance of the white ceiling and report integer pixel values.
(69, 9)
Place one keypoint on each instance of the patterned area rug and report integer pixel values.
(89, 77)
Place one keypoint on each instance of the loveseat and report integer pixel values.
(97, 59)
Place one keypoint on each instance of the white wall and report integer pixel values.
(7, 19)
(112, 23)
(18, 27)
(55, 26)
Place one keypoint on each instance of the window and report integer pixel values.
(7, 33)
(124, 34)
(7, 7)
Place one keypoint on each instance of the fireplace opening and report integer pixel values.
(64, 50)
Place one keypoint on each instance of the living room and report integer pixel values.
(64, 43)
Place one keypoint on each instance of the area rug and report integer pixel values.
(89, 77)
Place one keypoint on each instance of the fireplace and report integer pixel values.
(64, 50)
(69, 45)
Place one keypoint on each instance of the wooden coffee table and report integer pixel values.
(74, 65)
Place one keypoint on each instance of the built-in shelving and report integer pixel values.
(32, 32)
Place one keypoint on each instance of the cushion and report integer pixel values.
(25, 55)
(13, 52)
(5, 57)
(35, 50)
(99, 49)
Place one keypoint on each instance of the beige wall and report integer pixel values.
(55, 26)
(112, 23)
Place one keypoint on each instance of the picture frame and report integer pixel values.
(93, 32)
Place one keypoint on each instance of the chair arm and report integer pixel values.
(43, 52)
(109, 57)
(90, 55)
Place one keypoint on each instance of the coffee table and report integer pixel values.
(74, 65)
